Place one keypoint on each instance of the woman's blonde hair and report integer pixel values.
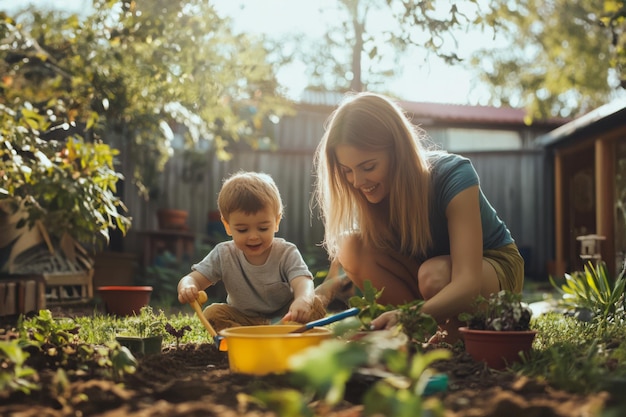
(374, 123)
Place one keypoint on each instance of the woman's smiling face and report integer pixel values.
(367, 171)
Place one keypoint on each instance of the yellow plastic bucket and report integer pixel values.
(261, 350)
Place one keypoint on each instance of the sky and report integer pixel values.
(433, 81)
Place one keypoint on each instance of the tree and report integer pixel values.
(140, 69)
(564, 58)
(360, 51)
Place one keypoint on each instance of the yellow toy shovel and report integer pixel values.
(220, 342)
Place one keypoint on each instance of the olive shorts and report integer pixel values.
(509, 266)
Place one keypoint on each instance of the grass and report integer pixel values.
(100, 328)
(572, 355)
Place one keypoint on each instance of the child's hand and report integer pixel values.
(190, 285)
(299, 311)
(187, 294)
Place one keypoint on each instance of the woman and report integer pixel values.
(413, 222)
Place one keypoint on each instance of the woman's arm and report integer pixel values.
(465, 280)
(334, 284)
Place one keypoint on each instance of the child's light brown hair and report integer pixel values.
(249, 192)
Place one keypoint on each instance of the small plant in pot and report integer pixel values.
(143, 333)
(498, 330)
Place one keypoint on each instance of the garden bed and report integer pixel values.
(577, 367)
(194, 379)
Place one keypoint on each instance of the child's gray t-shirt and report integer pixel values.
(255, 290)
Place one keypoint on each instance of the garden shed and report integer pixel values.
(586, 161)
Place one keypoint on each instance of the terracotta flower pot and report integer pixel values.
(171, 219)
(125, 300)
(497, 348)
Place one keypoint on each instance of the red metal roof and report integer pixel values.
(457, 113)
(430, 113)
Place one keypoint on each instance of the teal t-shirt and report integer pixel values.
(452, 174)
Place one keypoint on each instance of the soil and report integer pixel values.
(195, 380)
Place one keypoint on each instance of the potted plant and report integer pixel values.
(143, 334)
(498, 330)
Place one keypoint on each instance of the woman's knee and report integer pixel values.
(433, 275)
(349, 255)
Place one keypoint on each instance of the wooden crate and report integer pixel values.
(80, 281)
(21, 294)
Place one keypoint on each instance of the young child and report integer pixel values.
(264, 276)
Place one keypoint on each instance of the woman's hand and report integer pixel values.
(385, 321)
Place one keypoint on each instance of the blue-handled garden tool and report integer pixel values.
(327, 320)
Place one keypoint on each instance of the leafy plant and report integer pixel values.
(418, 326)
(326, 371)
(177, 333)
(368, 303)
(595, 291)
(46, 332)
(67, 187)
(405, 397)
(501, 311)
(56, 343)
(15, 374)
(147, 323)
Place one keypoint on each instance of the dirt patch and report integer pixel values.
(195, 380)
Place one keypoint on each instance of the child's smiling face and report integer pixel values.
(253, 233)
